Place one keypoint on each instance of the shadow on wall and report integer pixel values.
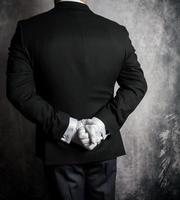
(20, 172)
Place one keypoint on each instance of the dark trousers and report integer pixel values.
(90, 181)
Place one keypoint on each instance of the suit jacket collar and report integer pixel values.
(71, 5)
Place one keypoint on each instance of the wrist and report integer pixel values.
(71, 130)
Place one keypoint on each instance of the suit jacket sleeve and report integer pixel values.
(21, 91)
(133, 87)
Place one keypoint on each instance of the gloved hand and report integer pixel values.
(99, 127)
(81, 137)
(93, 131)
(89, 133)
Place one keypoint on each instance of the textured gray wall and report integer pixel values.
(151, 134)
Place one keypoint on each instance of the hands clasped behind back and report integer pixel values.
(88, 134)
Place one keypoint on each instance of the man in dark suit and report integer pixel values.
(61, 71)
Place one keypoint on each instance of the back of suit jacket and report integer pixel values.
(65, 62)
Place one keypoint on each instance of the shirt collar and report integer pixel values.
(79, 1)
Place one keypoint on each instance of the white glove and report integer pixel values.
(98, 125)
(89, 133)
(96, 129)
(81, 137)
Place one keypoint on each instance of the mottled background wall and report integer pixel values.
(151, 168)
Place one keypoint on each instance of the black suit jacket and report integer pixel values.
(65, 62)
